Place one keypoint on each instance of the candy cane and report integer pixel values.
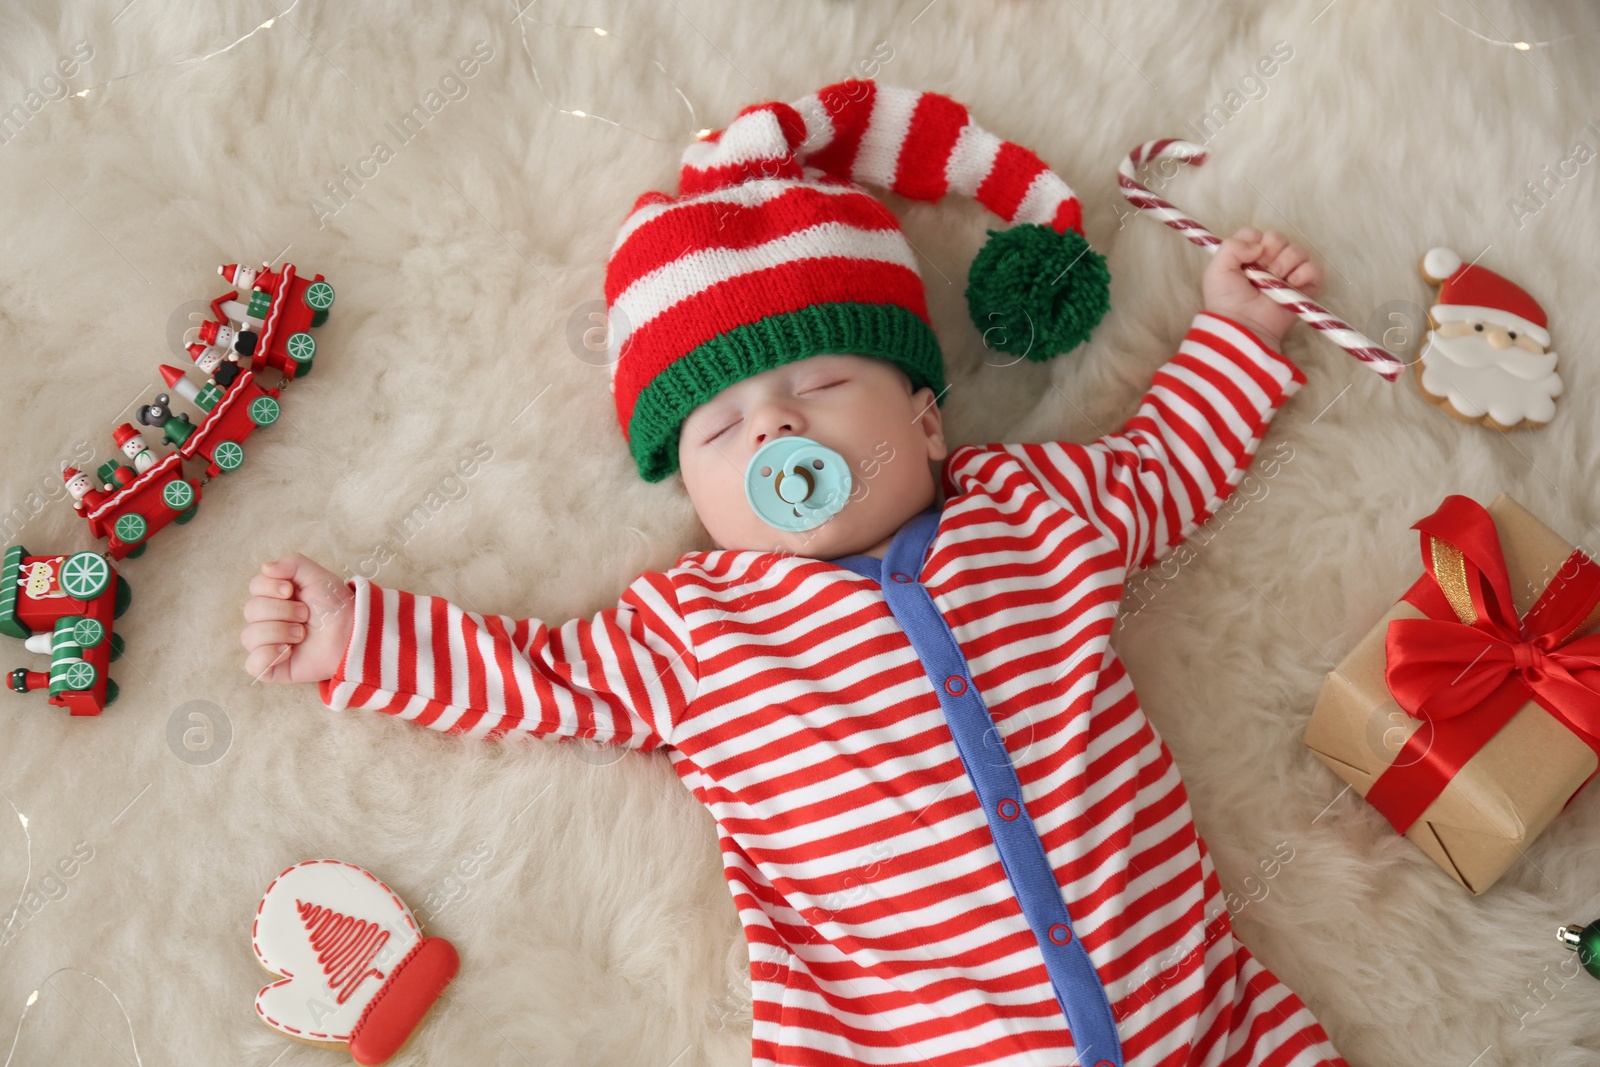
(1339, 332)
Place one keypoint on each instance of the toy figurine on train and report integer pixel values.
(63, 606)
(260, 325)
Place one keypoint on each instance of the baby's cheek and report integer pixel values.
(723, 510)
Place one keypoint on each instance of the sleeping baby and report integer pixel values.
(951, 833)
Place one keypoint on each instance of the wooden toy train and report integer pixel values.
(264, 330)
(63, 605)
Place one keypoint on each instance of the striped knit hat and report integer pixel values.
(771, 254)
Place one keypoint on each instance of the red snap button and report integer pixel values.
(955, 685)
(1008, 809)
(901, 578)
(1060, 933)
(1104, 1063)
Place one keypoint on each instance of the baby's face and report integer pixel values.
(862, 408)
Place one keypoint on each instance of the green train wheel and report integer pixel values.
(87, 633)
(264, 410)
(302, 347)
(228, 455)
(319, 296)
(84, 575)
(130, 529)
(177, 494)
(80, 675)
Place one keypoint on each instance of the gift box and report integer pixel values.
(1469, 714)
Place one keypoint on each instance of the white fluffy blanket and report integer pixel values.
(584, 890)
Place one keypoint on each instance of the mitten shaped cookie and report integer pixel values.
(356, 969)
(1487, 358)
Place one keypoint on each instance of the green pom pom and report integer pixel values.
(1034, 292)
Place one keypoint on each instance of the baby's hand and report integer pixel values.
(298, 621)
(1229, 293)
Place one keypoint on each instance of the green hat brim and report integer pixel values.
(882, 331)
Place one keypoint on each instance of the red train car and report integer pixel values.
(129, 516)
(64, 605)
(286, 306)
(231, 415)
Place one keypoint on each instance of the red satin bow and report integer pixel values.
(1471, 665)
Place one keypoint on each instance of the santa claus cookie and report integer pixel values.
(356, 969)
(1487, 358)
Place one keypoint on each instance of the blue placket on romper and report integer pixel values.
(1077, 985)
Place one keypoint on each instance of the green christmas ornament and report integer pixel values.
(1035, 293)
(1585, 941)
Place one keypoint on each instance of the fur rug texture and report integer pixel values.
(583, 887)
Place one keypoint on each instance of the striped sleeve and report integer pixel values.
(1185, 448)
(624, 677)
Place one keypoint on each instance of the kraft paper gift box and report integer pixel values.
(1501, 784)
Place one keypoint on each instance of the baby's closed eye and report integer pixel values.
(806, 390)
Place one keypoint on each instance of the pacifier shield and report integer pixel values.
(795, 483)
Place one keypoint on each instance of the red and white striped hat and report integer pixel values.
(771, 253)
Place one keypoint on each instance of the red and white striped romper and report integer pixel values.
(952, 835)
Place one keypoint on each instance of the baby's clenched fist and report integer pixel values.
(297, 621)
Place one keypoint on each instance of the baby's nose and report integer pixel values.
(761, 438)
(776, 420)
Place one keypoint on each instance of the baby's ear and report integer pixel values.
(931, 421)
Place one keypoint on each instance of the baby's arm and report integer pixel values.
(624, 677)
(1199, 424)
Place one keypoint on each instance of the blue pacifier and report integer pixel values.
(795, 483)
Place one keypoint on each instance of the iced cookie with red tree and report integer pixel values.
(356, 969)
